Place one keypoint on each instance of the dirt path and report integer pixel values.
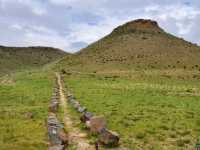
(76, 136)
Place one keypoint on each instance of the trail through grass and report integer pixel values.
(149, 113)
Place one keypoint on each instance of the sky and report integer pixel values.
(73, 24)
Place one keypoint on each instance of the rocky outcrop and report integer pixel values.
(139, 25)
(96, 124)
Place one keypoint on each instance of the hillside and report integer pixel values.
(13, 58)
(139, 44)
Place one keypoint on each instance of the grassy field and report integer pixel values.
(151, 110)
(24, 99)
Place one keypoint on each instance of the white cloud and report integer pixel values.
(36, 6)
(16, 27)
(177, 12)
(39, 11)
(152, 8)
(53, 40)
(178, 19)
(184, 29)
(51, 23)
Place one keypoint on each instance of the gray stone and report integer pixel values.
(86, 116)
(108, 138)
(87, 123)
(53, 107)
(76, 105)
(81, 109)
(57, 136)
(97, 123)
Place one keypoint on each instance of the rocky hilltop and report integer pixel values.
(138, 44)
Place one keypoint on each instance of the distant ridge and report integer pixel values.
(138, 44)
(19, 58)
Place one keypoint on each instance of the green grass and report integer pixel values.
(148, 111)
(22, 94)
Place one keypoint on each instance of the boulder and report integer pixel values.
(97, 123)
(108, 138)
(81, 109)
(69, 97)
(71, 101)
(87, 123)
(76, 104)
(53, 108)
(86, 116)
(53, 135)
(57, 136)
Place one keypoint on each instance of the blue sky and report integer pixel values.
(73, 24)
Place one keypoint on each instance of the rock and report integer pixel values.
(53, 134)
(69, 97)
(97, 123)
(81, 109)
(87, 123)
(63, 71)
(53, 107)
(69, 94)
(76, 105)
(108, 138)
(72, 101)
(52, 120)
(57, 136)
(86, 116)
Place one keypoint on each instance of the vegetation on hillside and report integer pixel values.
(14, 59)
(139, 44)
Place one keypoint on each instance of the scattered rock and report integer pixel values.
(82, 109)
(87, 123)
(76, 104)
(57, 136)
(53, 107)
(63, 71)
(86, 116)
(70, 96)
(108, 138)
(97, 123)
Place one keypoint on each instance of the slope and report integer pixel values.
(139, 44)
(15, 58)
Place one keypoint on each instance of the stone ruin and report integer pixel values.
(57, 137)
(96, 124)
(53, 107)
(108, 137)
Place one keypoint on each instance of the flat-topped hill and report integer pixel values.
(139, 44)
